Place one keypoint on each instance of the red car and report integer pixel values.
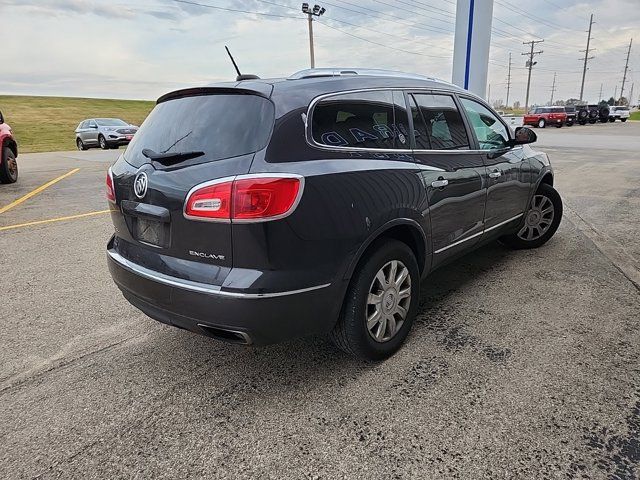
(543, 116)
(8, 154)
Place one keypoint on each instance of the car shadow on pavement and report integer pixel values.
(278, 368)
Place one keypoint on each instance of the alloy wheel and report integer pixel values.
(388, 301)
(538, 219)
(12, 167)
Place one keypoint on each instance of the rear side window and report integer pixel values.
(220, 125)
(437, 123)
(375, 119)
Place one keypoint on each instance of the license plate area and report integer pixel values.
(150, 232)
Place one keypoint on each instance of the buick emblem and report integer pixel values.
(140, 185)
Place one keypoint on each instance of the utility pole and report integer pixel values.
(631, 95)
(626, 68)
(530, 63)
(489, 95)
(600, 94)
(508, 81)
(586, 57)
(316, 11)
(553, 89)
(615, 95)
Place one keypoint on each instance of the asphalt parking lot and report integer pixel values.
(521, 364)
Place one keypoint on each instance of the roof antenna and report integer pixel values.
(240, 76)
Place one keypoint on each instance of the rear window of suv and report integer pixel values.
(220, 125)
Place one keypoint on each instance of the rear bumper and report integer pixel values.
(249, 318)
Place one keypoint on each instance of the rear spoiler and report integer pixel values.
(261, 89)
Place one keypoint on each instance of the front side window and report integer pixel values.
(376, 119)
(490, 132)
(437, 123)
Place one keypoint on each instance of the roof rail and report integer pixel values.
(347, 72)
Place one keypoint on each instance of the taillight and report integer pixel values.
(111, 193)
(251, 198)
(264, 197)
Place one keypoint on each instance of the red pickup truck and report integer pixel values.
(8, 154)
(543, 116)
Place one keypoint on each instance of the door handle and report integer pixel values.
(495, 174)
(440, 183)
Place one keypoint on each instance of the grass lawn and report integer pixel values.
(46, 124)
(635, 116)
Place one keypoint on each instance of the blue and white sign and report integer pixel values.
(471, 46)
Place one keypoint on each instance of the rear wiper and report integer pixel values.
(170, 158)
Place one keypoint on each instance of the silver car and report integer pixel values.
(104, 133)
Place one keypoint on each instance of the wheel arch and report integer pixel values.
(547, 178)
(405, 230)
(11, 144)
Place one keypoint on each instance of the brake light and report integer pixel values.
(264, 197)
(245, 199)
(111, 193)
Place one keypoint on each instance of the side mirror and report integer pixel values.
(523, 136)
(1, 118)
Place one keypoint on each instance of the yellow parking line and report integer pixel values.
(37, 191)
(51, 220)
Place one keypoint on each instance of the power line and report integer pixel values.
(375, 43)
(204, 5)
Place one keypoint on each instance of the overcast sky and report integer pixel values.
(143, 48)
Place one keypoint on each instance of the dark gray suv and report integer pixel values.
(260, 210)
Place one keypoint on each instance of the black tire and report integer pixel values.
(603, 113)
(612, 119)
(542, 123)
(80, 144)
(583, 114)
(103, 142)
(570, 123)
(515, 241)
(593, 120)
(351, 333)
(623, 120)
(604, 120)
(559, 125)
(8, 167)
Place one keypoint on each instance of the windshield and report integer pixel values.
(220, 125)
(111, 122)
(617, 109)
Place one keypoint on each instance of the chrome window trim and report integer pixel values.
(198, 286)
(243, 177)
(484, 230)
(418, 90)
(308, 134)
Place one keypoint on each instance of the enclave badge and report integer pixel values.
(140, 185)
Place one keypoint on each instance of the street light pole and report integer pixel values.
(316, 11)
